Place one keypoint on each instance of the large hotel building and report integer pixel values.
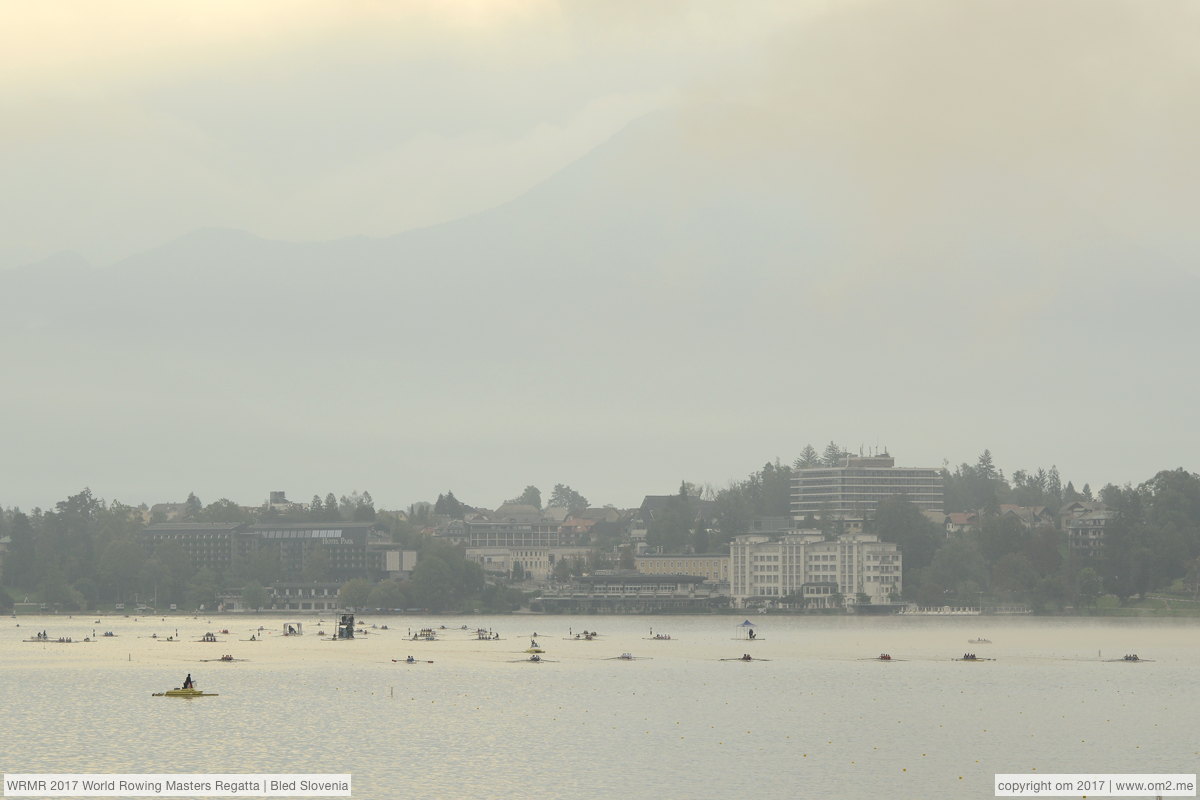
(852, 490)
(807, 569)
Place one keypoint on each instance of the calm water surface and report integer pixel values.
(815, 720)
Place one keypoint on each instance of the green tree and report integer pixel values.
(776, 481)
(671, 527)
(1000, 536)
(833, 454)
(203, 589)
(433, 584)
(120, 565)
(957, 574)
(1044, 549)
(355, 593)
(192, 507)
(225, 510)
(254, 595)
(984, 465)
(449, 505)
(700, 537)
(1013, 576)
(387, 595)
(808, 458)
(1054, 485)
(1088, 587)
(357, 507)
(20, 563)
(899, 521)
(57, 592)
(532, 496)
(564, 496)
(420, 513)
(734, 513)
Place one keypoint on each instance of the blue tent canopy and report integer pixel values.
(746, 624)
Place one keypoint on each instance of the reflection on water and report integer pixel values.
(818, 717)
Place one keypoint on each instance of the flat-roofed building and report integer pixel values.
(340, 546)
(216, 545)
(631, 593)
(805, 567)
(852, 490)
(336, 550)
(713, 568)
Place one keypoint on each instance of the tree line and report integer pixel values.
(86, 552)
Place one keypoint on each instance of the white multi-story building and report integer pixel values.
(852, 490)
(805, 567)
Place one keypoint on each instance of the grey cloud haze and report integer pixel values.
(609, 245)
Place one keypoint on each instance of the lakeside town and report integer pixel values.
(829, 533)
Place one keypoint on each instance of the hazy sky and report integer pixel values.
(998, 200)
(133, 122)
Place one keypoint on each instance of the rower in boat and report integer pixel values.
(745, 657)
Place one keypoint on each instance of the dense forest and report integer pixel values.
(87, 553)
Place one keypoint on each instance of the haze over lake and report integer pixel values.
(480, 722)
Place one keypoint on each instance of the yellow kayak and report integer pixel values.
(184, 693)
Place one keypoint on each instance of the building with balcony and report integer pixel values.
(630, 593)
(335, 551)
(807, 569)
(851, 491)
(1085, 524)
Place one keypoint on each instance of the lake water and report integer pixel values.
(480, 722)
